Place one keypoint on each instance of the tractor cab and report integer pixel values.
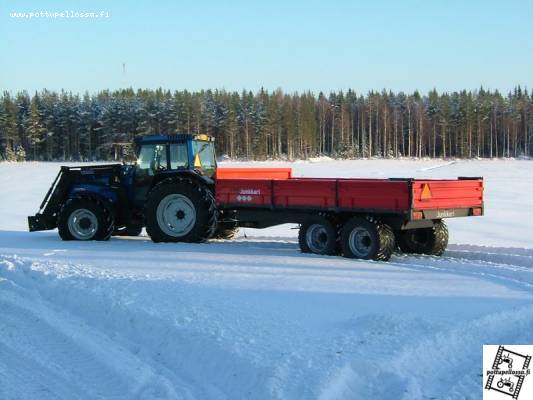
(174, 153)
(163, 155)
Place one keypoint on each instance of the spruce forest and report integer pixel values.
(270, 125)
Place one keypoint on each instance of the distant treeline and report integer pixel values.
(66, 126)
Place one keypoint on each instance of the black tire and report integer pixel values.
(227, 226)
(318, 235)
(432, 241)
(367, 240)
(225, 232)
(67, 222)
(128, 231)
(199, 204)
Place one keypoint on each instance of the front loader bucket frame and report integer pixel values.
(46, 218)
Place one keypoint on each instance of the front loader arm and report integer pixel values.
(46, 218)
(61, 188)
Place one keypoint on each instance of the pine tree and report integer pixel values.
(36, 129)
(3, 131)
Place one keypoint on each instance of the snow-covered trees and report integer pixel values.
(65, 126)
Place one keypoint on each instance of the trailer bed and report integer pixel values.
(239, 188)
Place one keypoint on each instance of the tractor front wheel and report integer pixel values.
(180, 210)
(84, 219)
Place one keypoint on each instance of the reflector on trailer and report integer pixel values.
(418, 215)
(425, 194)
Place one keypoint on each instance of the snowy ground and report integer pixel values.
(254, 318)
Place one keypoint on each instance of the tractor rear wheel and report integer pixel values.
(432, 241)
(367, 240)
(180, 210)
(318, 235)
(84, 219)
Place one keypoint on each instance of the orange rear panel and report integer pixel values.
(461, 193)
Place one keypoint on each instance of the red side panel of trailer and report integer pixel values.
(319, 193)
(374, 194)
(245, 192)
(312, 193)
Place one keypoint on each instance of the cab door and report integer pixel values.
(152, 160)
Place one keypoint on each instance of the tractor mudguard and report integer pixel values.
(184, 173)
(108, 202)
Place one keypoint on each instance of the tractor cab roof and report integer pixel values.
(175, 138)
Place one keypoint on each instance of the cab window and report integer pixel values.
(152, 158)
(178, 156)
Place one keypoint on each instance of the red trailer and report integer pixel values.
(360, 218)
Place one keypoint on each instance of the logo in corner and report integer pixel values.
(507, 372)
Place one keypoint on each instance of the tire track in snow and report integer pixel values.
(151, 357)
(77, 360)
(513, 251)
(499, 255)
(446, 164)
(203, 346)
(445, 365)
(442, 365)
(514, 276)
(509, 266)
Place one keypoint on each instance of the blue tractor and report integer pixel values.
(169, 190)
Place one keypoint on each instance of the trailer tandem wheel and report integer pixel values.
(225, 232)
(128, 231)
(367, 239)
(318, 235)
(227, 227)
(432, 241)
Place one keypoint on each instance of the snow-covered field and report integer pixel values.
(256, 319)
